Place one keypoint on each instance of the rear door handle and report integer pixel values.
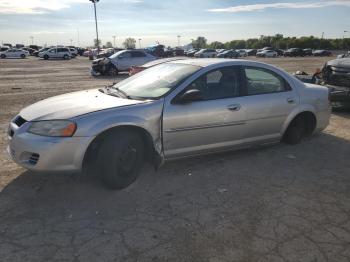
(291, 100)
(235, 107)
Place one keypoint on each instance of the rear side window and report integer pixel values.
(263, 81)
(138, 54)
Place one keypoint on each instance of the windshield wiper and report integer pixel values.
(124, 94)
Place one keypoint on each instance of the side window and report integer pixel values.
(263, 81)
(53, 51)
(218, 84)
(138, 54)
(125, 55)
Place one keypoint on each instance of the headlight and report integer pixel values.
(58, 128)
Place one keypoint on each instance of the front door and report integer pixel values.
(215, 122)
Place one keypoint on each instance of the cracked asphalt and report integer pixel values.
(267, 204)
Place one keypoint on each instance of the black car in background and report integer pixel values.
(228, 54)
(293, 52)
(308, 52)
(322, 53)
(251, 52)
(336, 75)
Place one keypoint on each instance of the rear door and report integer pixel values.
(267, 99)
(124, 61)
(138, 58)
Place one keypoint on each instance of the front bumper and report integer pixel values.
(41, 153)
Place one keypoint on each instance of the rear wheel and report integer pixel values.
(295, 132)
(3, 56)
(120, 158)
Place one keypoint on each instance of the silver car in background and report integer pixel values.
(176, 109)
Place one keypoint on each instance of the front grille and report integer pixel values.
(19, 121)
(340, 80)
(34, 158)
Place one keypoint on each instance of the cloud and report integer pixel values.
(285, 5)
(35, 6)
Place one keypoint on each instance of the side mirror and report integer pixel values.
(190, 96)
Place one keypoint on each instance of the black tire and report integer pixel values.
(65, 57)
(3, 56)
(296, 131)
(46, 57)
(113, 71)
(120, 158)
(23, 56)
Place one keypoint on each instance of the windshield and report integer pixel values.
(156, 81)
(116, 54)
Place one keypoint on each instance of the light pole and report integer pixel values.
(97, 41)
(140, 42)
(113, 41)
(71, 41)
(344, 38)
(32, 39)
(178, 40)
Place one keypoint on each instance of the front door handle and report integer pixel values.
(291, 100)
(235, 107)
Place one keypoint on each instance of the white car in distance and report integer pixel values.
(206, 53)
(56, 52)
(267, 53)
(14, 53)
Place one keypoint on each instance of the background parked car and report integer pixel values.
(57, 53)
(30, 50)
(322, 53)
(294, 52)
(73, 52)
(191, 52)
(4, 48)
(267, 53)
(14, 53)
(206, 53)
(136, 69)
(242, 52)
(228, 54)
(120, 61)
(36, 53)
(308, 51)
(251, 52)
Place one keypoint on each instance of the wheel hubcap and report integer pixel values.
(127, 158)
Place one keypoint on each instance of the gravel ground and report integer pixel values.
(276, 203)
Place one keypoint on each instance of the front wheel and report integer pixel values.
(113, 71)
(23, 56)
(46, 57)
(120, 158)
(65, 57)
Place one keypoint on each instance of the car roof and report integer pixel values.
(204, 62)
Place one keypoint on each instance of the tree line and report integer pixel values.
(277, 41)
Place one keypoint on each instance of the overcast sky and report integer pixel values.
(58, 21)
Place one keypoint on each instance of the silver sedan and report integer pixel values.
(176, 109)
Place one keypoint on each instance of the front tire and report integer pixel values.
(120, 158)
(65, 57)
(23, 56)
(295, 132)
(46, 57)
(113, 71)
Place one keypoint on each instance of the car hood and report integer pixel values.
(73, 104)
(342, 62)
